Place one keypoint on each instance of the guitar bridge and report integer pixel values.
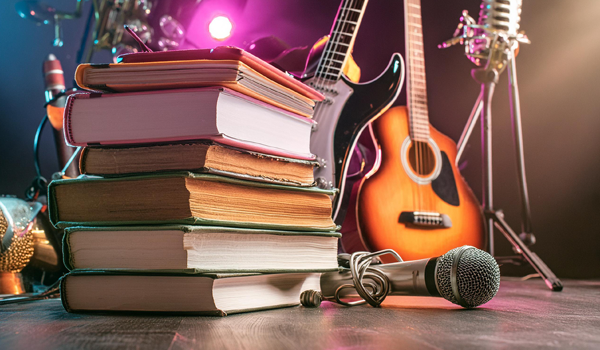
(426, 219)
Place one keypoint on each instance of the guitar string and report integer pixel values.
(319, 78)
(426, 147)
(423, 143)
(425, 150)
(408, 96)
(320, 75)
(411, 103)
(412, 112)
(337, 34)
(343, 30)
(329, 54)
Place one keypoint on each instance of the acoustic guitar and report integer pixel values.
(414, 200)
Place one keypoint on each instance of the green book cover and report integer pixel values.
(164, 279)
(67, 256)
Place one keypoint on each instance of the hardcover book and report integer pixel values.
(167, 64)
(199, 157)
(201, 294)
(216, 114)
(199, 248)
(188, 198)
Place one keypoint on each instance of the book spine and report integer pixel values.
(82, 160)
(79, 72)
(66, 251)
(63, 293)
(52, 205)
(67, 120)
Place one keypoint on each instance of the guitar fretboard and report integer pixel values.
(416, 82)
(341, 40)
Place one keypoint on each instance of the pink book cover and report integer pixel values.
(223, 139)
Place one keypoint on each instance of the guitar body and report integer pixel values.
(390, 191)
(341, 118)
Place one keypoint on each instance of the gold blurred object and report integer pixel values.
(18, 255)
(13, 260)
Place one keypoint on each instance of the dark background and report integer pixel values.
(558, 79)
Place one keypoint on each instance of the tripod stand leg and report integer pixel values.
(475, 113)
(518, 141)
(549, 277)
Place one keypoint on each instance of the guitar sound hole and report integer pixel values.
(421, 158)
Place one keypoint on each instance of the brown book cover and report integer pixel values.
(188, 198)
(199, 157)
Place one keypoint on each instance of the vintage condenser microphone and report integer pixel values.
(498, 25)
(465, 276)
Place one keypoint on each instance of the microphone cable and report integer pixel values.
(39, 183)
(373, 291)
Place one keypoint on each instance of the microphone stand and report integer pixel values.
(501, 55)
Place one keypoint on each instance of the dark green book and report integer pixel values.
(188, 198)
(181, 293)
(199, 249)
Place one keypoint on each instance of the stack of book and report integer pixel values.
(198, 194)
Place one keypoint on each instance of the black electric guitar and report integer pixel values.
(348, 106)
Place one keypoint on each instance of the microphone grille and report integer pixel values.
(467, 276)
(502, 15)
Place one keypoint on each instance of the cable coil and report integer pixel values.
(371, 284)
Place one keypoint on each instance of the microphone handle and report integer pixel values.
(415, 278)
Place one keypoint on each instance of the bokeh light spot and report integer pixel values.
(220, 28)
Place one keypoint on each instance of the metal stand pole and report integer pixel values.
(488, 78)
(486, 154)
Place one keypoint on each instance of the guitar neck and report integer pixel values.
(341, 40)
(416, 82)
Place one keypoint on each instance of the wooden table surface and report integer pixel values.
(523, 315)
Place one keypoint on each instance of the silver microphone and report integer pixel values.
(465, 276)
(494, 35)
